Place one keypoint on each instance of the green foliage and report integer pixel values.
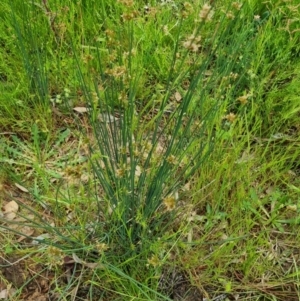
(153, 138)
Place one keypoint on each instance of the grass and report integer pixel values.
(149, 152)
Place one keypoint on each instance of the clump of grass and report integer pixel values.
(185, 144)
(141, 166)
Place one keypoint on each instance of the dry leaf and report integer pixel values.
(20, 219)
(76, 258)
(7, 292)
(11, 206)
(178, 96)
(4, 294)
(22, 188)
(26, 231)
(10, 210)
(91, 265)
(81, 109)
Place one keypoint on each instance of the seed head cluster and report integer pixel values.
(206, 13)
(192, 43)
